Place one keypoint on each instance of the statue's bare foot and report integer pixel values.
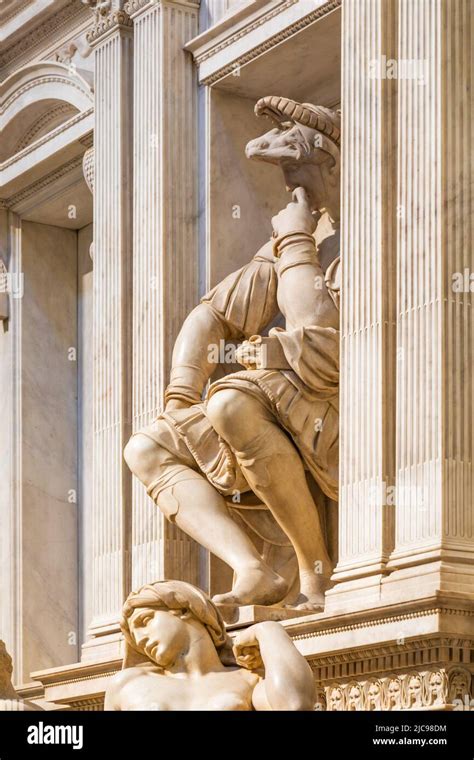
(312, 589)
(258, 585)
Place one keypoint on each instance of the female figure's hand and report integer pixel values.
(246, 648)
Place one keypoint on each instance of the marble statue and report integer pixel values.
(178, 657)
(10, 701)
(264, 431)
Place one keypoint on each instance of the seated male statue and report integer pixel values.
(263, 428)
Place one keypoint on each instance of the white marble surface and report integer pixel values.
(85, 428)
(49, 440)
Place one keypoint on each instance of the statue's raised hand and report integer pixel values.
(296, 217)
(246, 648)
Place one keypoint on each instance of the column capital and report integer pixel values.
(108, 17)
(137, 7)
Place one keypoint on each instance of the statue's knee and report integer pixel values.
(226, 411)
(138, 453)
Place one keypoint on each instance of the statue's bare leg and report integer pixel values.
(201, 512)
(274, 470)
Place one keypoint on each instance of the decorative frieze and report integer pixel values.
(432, 689)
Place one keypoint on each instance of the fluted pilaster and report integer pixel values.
(434, 517)
(165, 247)
(368, 353)
(112, 320)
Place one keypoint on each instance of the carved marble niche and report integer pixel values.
(241, 196)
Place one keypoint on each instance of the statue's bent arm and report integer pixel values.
(242, 304)
(192, 363)
(288, 682)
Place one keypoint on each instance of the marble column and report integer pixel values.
(112, 40)
(165, 258)
(434, 549)
(368, 350)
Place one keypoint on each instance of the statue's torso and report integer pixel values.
(147, 690)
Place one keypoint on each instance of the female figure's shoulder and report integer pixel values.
(116, 685)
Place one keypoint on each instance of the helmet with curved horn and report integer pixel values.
(322, 119)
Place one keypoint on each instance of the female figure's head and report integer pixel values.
(162, 620)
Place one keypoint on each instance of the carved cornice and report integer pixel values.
(17, 8)
(96, 704)
(247, 29)
(63, 109)
(87, 140)
(377, 658)
(49, 136)
(106, 24)
(263, 47)
(49, 179)
(49, 79)
(132, 7)
(377, 621)
(51, 28)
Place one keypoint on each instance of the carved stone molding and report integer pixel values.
(418, 689)
(51, 80)
(50, 29)
(378, 659)
(105, 24)
(49, 179)
(88, 705)
(263, 19)
(12, 9)
(376, 621)
(4, 305)
(132, 7)
(269, 43)
(88, 168)
(61, 111)
(87, 140)
(41, 140)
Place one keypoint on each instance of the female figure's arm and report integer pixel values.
(288, 683)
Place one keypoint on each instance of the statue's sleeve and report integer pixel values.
(313, 353)
(241, 305)
(311, 347)
(247, 299)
